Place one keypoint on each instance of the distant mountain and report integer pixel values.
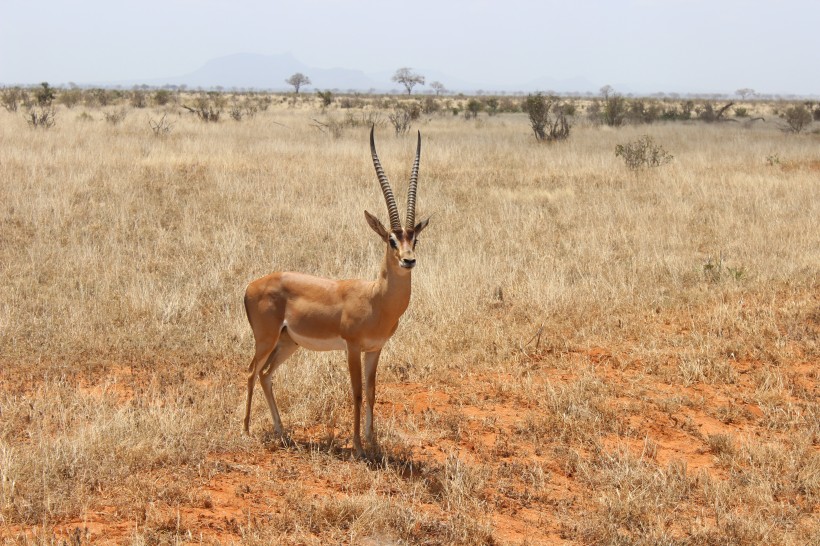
(269, 72)
(251, 70)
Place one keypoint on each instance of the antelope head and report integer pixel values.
(402, 240)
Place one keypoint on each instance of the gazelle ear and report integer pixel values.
(421, 225)
(376, 226)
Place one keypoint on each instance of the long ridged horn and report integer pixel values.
(392, 209)
(411, 191)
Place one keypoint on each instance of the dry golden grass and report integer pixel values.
(590, 356)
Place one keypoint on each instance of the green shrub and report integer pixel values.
(11, 97)
(547, 117)
(642, 153)
(474, 106)
(430, 105)
(162, 97)
(491, 106)
(44, 95)
(326, 97)
(614, 107)
(798, 118)
(641, 112)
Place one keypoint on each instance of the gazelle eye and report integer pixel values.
(393, 243)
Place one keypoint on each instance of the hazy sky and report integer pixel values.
(643, 45)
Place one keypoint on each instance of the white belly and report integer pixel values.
(318, 344)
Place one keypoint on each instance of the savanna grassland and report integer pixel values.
(591, 355)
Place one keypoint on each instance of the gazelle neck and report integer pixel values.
(393, 284)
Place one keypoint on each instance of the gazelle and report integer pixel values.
(291, 310)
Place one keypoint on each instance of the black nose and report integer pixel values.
(408, 263)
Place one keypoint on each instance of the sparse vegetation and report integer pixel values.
(589, 357)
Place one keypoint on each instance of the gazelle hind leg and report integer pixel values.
(283, 350)
(265, 347)
(254, 369)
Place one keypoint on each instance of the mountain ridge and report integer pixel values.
(269, 72)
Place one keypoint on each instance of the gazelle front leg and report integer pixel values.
(354, 365)
(371, 361)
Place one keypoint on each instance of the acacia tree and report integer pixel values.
(408, 79)
(298, 80)
(438, 87)
(745, 92)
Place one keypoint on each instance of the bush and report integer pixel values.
(44, 95)
(511, 106)
(709, 113)
(326, 97)
(96, 97)
(798, 118)
(614, 110)
(569, 108)
(263, 103)
(162, 97)
(43, 118)
(11, 98)
(686, 109)
(640, 112)
(547, 117)
(138, 98)
(205, 110)
(491, 105)
(474, 106)
(642, 153)
(400, 117)
(162, 127)
(236, 112)
(115, 117)
(70, 97)
(351, 102)
(430, 105)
